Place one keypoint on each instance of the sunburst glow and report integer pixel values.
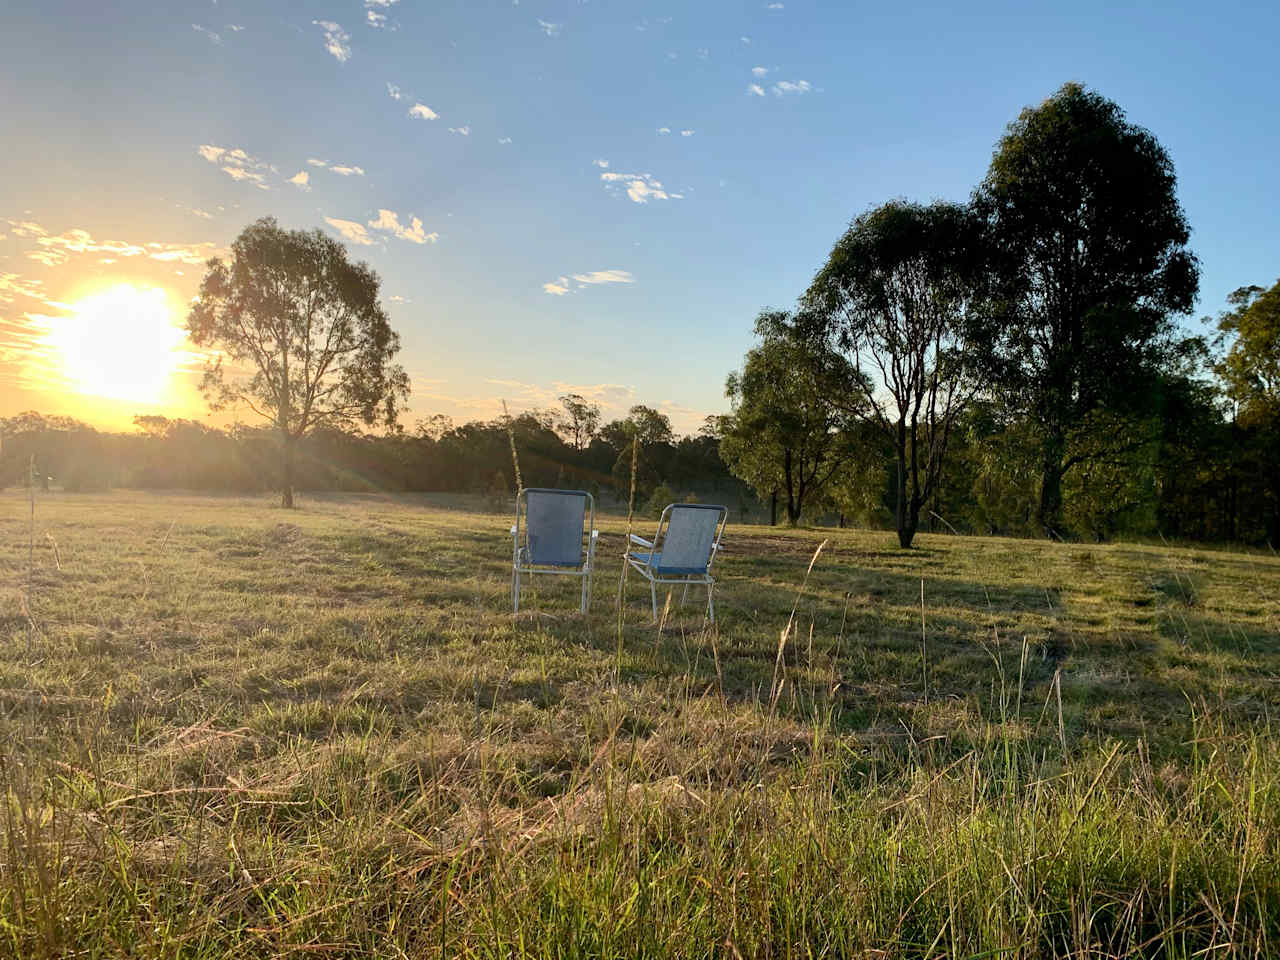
(121, 343)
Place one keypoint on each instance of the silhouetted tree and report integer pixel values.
(308, 343)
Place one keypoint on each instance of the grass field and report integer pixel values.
(231, 729)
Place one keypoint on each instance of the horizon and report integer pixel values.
(558, 197)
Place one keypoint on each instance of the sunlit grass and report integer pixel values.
(235, 729)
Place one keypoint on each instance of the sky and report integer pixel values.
(559, 195)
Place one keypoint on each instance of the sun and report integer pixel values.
(121, 343)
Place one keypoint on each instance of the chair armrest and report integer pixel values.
(513, 529)
(641, 540)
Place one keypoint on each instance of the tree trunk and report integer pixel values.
(286, 495)
(1049, 513)
(900, 507)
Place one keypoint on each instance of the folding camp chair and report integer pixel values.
(682, 550)
(553, 534)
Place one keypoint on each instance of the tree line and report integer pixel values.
(1016, 363)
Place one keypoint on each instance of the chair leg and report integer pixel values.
(515, 590)
(711, 607)
(684, 596)
(653, 596)
(586, 589)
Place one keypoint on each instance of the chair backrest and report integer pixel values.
(692, 529)
(554, 521)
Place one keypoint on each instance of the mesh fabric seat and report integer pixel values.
(682, 550)
(559, 537)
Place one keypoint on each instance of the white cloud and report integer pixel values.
(791, 86)
(603, 276)
(316, 162)
(641, 187)
(663, 131)
(774, 6)
(550, 29)
(350, 230)
(504, 140)
(746, 40)
(213, 37)
(394, 91)
(759, 71)
(237, 164)
(464, 131)
(755, 90)
(388, 221)
(375, 19)
(380, 3)
(345, 171)
(602, 164)
(565, 285)
(202, 214)
(301, 179)
(422, 112)
(53, 250)
(336, 40)
(234, 27)
(687, 133)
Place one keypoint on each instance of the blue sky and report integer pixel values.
(739, 138)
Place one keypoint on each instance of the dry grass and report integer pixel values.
(234, 729)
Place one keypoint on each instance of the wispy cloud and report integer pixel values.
(394, 91)
(774, 6)
(336, 40)
(564, 285)
(213, 37)
(504, 140)
(421, 111)
(375, 19)
(234, 27)
(759, 71)
(746, 41)
(237, 164)
(301, 179)
(351, 231)
(640, 187)
(663, 131)
(52, 250)
(12, 285)
(464, 130)
(687, 133)
(755, 90)
(317, 162)
(343, 170)
(414, 233)
(550, 29)
(783, 87)
(602, 164)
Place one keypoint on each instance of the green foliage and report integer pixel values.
(894, 295)
(306, 322)
(662, 497)
(1088, 265)
(1250, 369)
(794, 402)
